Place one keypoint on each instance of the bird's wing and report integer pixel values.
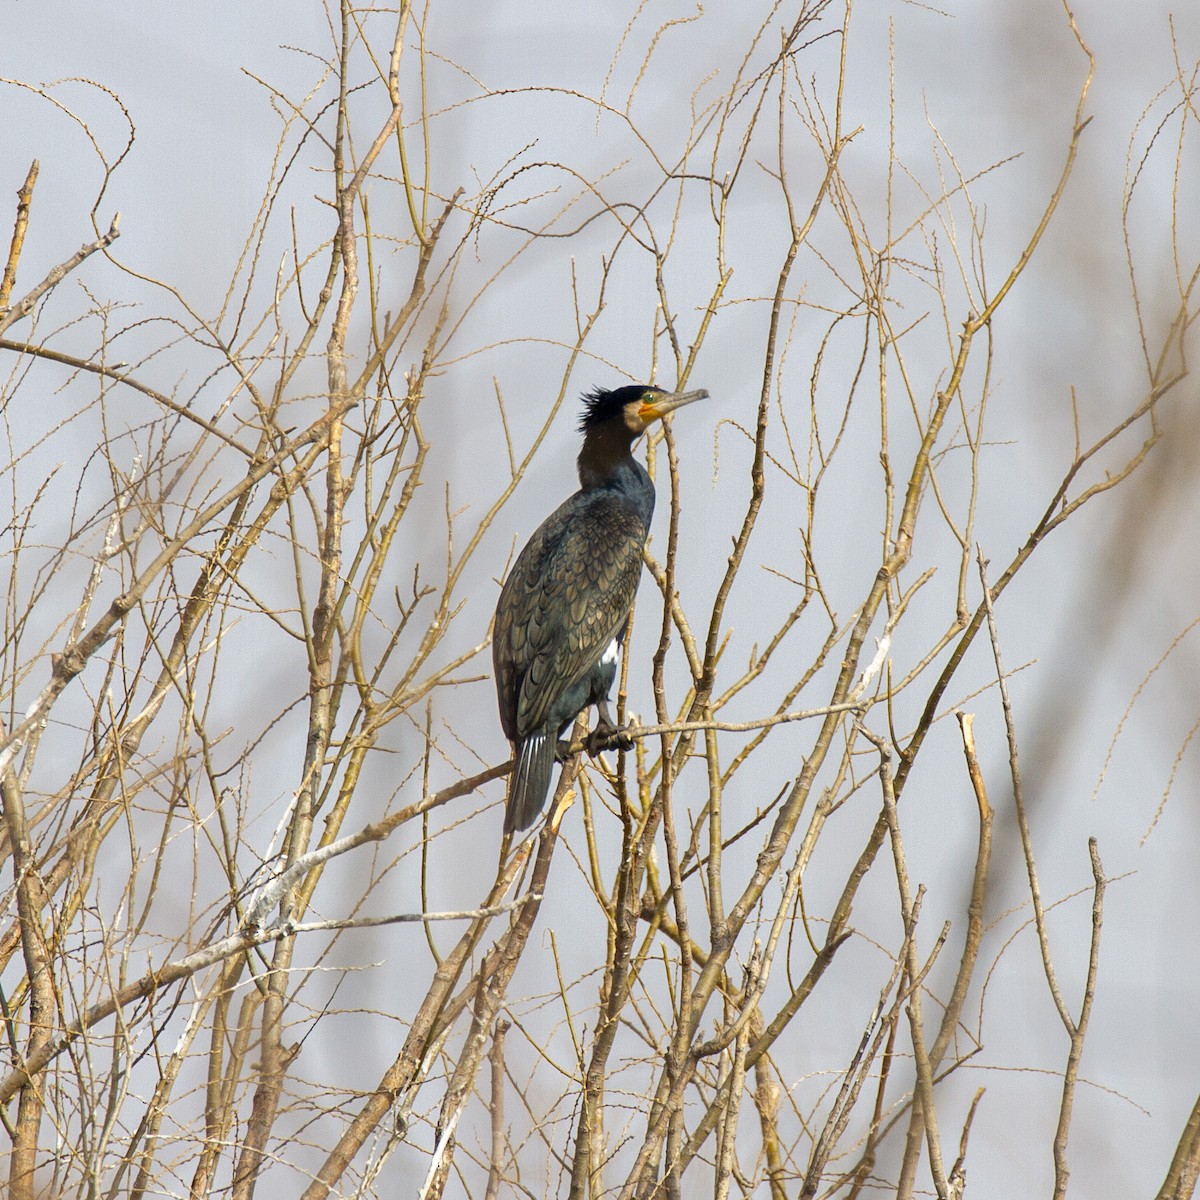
(568, 596)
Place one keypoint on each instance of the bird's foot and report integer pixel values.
(562, 750)
(607, 737)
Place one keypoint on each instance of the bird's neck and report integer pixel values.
(606, 461)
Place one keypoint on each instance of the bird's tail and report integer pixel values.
(530, 781)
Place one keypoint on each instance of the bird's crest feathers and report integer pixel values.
(603, 404)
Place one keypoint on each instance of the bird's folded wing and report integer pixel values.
(579, 593)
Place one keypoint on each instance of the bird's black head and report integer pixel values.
(632, 407)
(603, 405)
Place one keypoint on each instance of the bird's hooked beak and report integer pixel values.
(668, 402)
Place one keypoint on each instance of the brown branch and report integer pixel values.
(23, 307)
(42, 1010)
(972, 940)
(118, 376)
(1035, 891)
(618, 974)
(24, 199)
(973, 936)
(496, 1059)
(727, 1132)
(766, 1102)
(490, 987)
(636, 731)
(924, 1091)
(1076, 1028)
(1079, 1031)
(958, 1173)
(1182, 1174)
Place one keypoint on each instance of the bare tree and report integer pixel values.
(248, 720)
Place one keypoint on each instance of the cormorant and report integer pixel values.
(562, 611)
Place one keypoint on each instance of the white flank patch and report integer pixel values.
(610, 655)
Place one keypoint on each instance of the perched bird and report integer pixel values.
(563, 608)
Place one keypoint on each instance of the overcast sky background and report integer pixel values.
(995, 79)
